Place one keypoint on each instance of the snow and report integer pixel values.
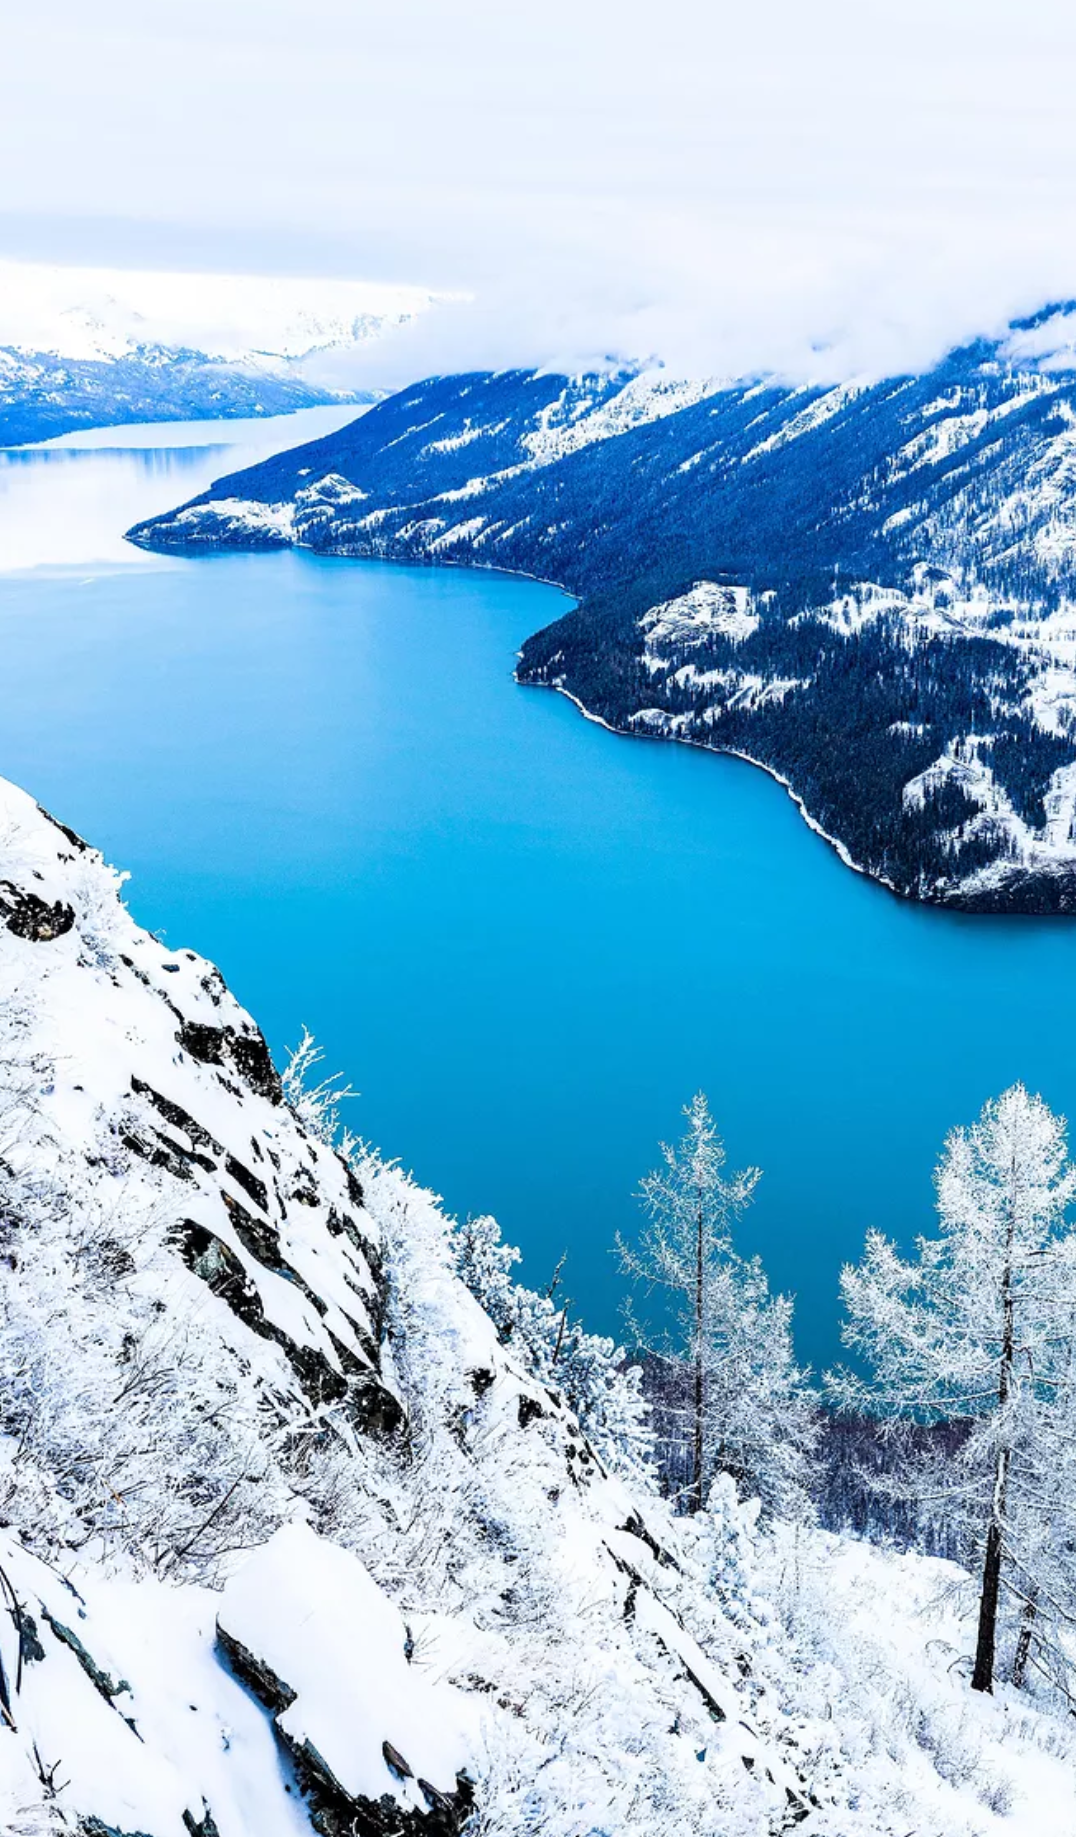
(748, 690)
(296, 1605)
(198, 1740)
(983, 1765)
(814, 415)
(466, 437)
(940, 441)
(1051, 699)
(331, 490)
(237, 517)
(101, 313)
(107, 1015)
(468, 531)
(661, 720)
(707, 610)
(961, 765)
(650, 396)
(483, 1587)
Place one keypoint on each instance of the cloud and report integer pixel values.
(818, 188)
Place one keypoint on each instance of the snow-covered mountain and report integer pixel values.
(84, 347)
(292, 1538)
(870, 589)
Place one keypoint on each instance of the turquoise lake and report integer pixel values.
(525, 941)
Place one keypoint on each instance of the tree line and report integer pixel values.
(952, 1428)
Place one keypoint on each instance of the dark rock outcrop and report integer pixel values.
(334, 1812)
(29, 916)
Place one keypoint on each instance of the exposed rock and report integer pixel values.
(179, 1118)
(253, 1187)
(361, 1737)
(252, 1060)
(208, 1257)
(203, 1042)
(334, 1812)
(29, 916)
(206, 1826)
(99, 1678)
(255, 1674)
(94, 1827)
(370, 1404)
(246, 1052)
(395, 1762)
(72, 836)
(259, 1237)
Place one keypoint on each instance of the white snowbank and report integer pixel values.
(299, 1605)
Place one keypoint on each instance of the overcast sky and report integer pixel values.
(820, 186)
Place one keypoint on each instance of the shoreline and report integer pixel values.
(953, 904)
(955, 907)
(732, 752)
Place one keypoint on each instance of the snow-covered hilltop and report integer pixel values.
(83, 347)
(293, 1538)
(870, 589)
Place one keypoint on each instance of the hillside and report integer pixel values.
(98, 347)
(292, 1538)
(866, 588)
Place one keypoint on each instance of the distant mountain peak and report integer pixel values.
(100, 313)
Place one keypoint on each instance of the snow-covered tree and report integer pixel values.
(592, 1372)
(750, 1412)
(981, 1326)
(317, 1106)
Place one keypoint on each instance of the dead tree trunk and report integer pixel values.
(982, 1677)
(700, 1310)
(1023, 1643)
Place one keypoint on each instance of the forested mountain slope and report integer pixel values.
(43, 395)
(867, 588)
(99, 347)
(293, 1539)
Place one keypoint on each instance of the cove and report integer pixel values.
(525, 940)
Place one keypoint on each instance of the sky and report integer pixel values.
(818, 187)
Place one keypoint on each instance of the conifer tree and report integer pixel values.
(981, 1327)
(750, 1412)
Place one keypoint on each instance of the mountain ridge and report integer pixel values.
(99, 347)
(900, 557)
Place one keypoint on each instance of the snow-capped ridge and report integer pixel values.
(101, 313)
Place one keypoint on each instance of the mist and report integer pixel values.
(817, 190)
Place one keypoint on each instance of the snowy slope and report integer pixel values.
(290, 1535)
(901, 553)
(101, 313)
(83, 347)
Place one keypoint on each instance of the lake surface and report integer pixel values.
(525, 940)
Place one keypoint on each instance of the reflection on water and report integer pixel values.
(145, 458)
(67, 503)
(246, 431)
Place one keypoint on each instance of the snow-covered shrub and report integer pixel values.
(593, 1373)
(317, 1106)
(125, 1425)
